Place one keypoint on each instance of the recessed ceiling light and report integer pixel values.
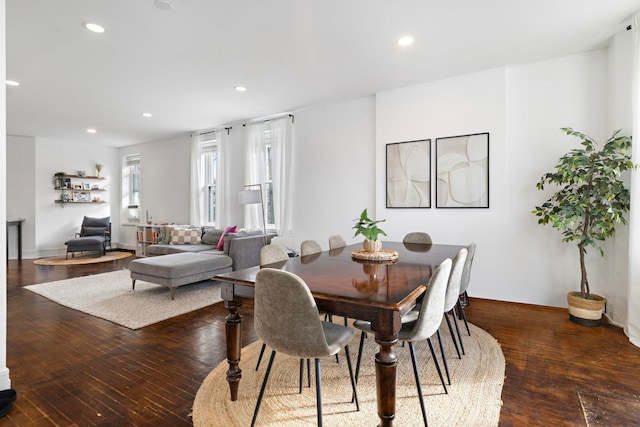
(405, 41)
(91, 131)
(163, 4)
(93, 27)
(12, 83)
(240, 88)
(147, 114)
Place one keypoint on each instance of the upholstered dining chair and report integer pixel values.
(270, 254)
(464, 282)
(427, 324)
(336, 241)
(286, 318)
(451, 297)
(417, 237)
(309, 247)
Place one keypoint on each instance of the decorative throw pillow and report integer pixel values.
(185, 237)
(230, 229)
(211, 236)
(166, 235)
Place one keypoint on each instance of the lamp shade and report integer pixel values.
(249, 197)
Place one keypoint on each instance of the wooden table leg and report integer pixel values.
(233, 323)
(386, 366)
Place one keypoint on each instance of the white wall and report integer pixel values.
(21, 175)
(5, 381)
(523, 109)
(334, 170)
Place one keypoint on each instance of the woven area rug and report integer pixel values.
(85, 258)
(109, 296)
(473, 399)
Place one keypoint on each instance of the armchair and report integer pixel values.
(94, 235)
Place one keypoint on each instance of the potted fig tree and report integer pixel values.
(368, 228)
(590, 203)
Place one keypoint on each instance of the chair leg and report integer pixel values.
(444, 357)
(264, 386)
(353, 380)
(260, 356)
(464, 317)
(435, 360)
(301, 373)
(362, 335)
(455, 321)
(453, 337)
(309, 373)
(416, 375)
(318, 393)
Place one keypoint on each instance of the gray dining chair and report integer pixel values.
(427, 324)
(336, 241)
(271, 254)
(417, 237)
(464, 283)
(309, 247)
(286, 318)
(450, 300)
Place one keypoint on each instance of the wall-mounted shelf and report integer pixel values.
(77, 189)
(71, 202)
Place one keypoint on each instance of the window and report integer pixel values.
(131, 186)
(268, 182)
(209, 163)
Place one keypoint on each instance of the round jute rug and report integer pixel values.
(87, 258)
(473, 399)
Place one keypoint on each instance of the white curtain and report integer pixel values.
(223, 205)
(254, 171)
(281, 139)
(632, 328)
(282, 146)
(196, 215)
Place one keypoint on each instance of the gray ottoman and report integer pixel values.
(175, 270)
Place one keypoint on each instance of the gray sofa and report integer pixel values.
(243, 248)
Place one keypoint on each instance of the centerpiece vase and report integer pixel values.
(372, 245)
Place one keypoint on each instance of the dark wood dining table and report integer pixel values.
(376, 291)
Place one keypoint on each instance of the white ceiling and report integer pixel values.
(182, 64)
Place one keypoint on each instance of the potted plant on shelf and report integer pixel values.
(368, 228)
(58, 180)
(590, 203)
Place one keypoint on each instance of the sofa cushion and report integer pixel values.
(230, 229)
(179, 265)
(153, 250)
(211, 235)
(185, 237)
(94, 231)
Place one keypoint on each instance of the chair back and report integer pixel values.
(95, 226)
(336, 241)
(309, 247)
(270, 254)
(286, 317)
(432, 307)
(417, 237)
(466, 271)
(453, 287)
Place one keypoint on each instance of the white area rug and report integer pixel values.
(109, 296)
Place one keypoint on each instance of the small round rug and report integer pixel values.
(86, 258)
(473, 399)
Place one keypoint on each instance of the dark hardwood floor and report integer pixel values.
(72, 369)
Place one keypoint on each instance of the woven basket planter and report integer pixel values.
(372, 245)
(586, 312)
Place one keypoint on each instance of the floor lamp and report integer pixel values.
(252, 197)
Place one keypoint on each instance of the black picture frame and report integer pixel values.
(408, 174)
(462, 171)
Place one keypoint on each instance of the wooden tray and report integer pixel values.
(381, 255)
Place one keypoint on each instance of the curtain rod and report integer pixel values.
(271, 118)
(228, 128)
